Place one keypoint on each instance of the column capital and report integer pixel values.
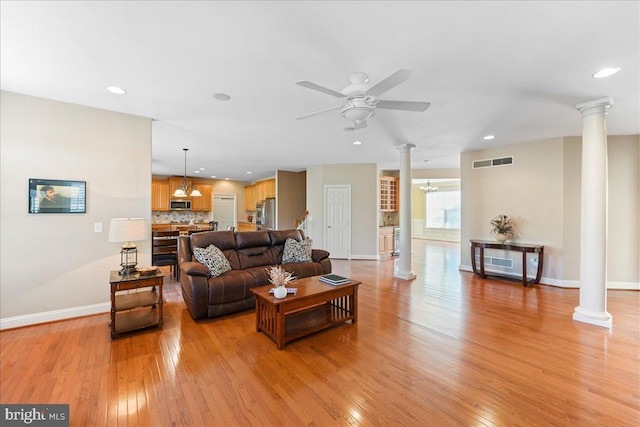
(597, 106)
(405, 147)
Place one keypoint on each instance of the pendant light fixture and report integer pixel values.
(185, 189)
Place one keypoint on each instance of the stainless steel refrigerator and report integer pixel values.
(268, 214)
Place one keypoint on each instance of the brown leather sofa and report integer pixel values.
(250, 254)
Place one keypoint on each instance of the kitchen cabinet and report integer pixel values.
(389, 194)
(159, 195)
(259, 192)
(385, 240)
(268, 188)
(250, 197)
(255, 193)
(202, 203)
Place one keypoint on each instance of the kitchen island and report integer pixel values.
(181, 227)
(246, 226)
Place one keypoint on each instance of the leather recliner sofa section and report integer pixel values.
(250, 255)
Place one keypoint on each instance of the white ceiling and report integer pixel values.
(512, 69)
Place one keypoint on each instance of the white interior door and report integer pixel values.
(337, 235)
(224, 210)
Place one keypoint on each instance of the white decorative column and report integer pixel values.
(593, 231)
(403, 270)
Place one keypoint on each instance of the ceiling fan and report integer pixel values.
(361, 100)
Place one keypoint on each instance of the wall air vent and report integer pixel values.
(499, 262)
(488, 163)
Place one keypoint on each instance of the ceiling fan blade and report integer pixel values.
(309, 85)
(403, 105)
(390, 82)
(360, 125)
(320, 112)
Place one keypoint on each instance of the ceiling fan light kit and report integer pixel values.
(360, 99)
(357, 110)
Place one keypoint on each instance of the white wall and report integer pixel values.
(541, 191)
(363, 179)
(53, 265)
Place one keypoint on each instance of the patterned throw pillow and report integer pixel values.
(296, 251)
(213, 258)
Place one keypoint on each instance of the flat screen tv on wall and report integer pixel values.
(57, 196)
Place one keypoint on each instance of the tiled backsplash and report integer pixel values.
(180, 216)
(388, 218)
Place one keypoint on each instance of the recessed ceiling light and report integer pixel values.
(606, 72)
(117, 90)
(249, 172)
(202, 169)
(196, 171)
(488, 137)
(221, 96)
(357, 143)
(213, 176)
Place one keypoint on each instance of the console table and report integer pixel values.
(517, 247)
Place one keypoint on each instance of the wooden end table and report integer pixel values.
(316, 306)
(135, 310)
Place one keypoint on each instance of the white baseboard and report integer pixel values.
(575, 284)
(366, 257)
(626, 286)
(52, 316)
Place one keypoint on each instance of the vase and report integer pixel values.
(280, 292)
(502, 237)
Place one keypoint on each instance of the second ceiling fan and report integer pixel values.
(361, 101)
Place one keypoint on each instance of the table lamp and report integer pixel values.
(128, 230)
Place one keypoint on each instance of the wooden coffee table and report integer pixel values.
(316, 306)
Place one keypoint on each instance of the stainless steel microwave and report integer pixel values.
(180, 205)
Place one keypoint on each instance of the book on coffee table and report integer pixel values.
(289, 290)
(334, 279)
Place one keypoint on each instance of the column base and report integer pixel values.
(602, 319)
(405, 276)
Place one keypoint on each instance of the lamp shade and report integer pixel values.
(127, 229)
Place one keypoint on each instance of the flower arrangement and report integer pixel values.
(277, 276)
(502, 224)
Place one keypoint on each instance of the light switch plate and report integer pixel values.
(97, 227)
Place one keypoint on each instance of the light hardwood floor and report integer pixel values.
(445, 349)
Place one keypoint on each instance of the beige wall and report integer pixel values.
(572, 155)
(623, 240)
(530, 191)
(542, 192)
(623, 258)
(363, 179)
(54, 265)
(434, 173)
(291, 197)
